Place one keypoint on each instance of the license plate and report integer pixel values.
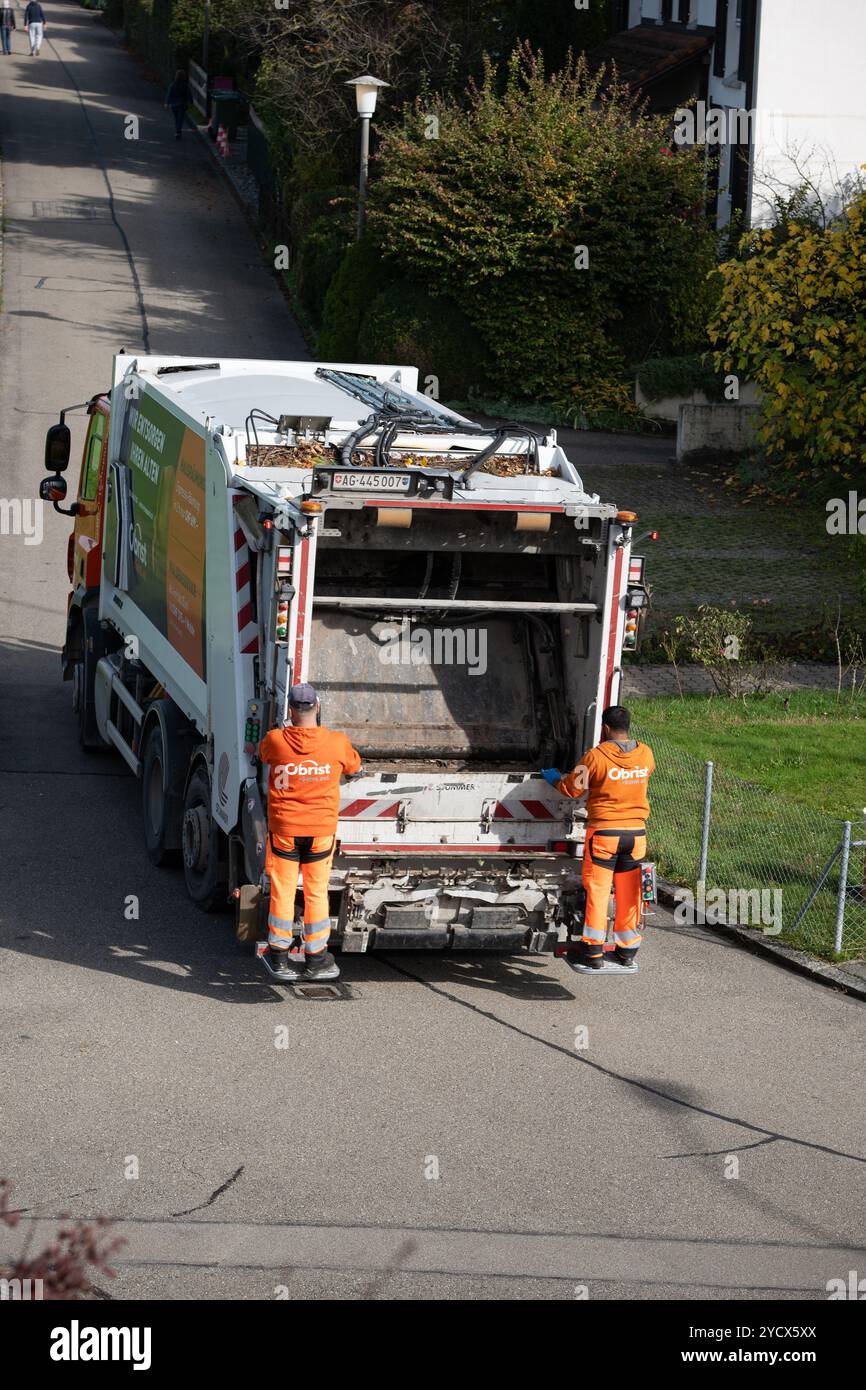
(370, 480)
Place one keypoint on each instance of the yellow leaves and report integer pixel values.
(794, 317)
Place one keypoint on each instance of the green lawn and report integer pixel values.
(784, 780)
(813, 752)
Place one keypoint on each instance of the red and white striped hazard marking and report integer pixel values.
(524, 810)
(248, 632)
(367, 808)
(371, 808)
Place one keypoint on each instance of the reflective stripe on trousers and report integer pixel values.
(287, 857)
(612, 858)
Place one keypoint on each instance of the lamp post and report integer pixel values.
(205, 46)
(366, 92)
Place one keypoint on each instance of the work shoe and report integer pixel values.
(286, 965)
(321, 966)
(588, 957)
(625, 956)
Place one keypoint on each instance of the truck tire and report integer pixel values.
(203, 852)
(160, 810)
(84, 681)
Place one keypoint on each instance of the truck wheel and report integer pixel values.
(156, 804)
(203, 859)
(83, 706)
(89, 646)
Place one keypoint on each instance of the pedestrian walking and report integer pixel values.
(7, 24)
(177, 100)
(35, 26)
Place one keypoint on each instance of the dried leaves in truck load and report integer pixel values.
(313, 455)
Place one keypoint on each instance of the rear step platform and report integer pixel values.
(295, 962)
(609, 968)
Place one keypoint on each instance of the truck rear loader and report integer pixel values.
(458, 597)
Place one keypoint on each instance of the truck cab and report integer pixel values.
(83, 642)
(84, 554)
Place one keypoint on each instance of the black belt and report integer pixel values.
(303, 852)
(624, 861)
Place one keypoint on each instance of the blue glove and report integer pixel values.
(551, 775)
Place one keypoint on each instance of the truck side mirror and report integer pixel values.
(58, 444)
(53, 489)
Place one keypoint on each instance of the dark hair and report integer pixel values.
(180, 75)
(617, 719)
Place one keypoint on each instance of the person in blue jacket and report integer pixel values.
(34, 23)
(177, 100)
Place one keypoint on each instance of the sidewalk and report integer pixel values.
(234, 166)
(650, 681)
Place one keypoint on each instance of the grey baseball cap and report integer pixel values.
(303, 696)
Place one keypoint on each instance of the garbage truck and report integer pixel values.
(458, 597)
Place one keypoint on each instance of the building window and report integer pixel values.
(747, 14)
(720, 45)
(90, 479)
(620, 15)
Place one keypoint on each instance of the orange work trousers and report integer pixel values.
(612, 859)
(287, 857)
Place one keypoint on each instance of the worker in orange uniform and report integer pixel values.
(614, 777)
(306, 763)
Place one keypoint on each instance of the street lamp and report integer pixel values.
(366, 92)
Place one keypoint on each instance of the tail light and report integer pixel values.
(70, 554)
(560, 847)
(629, 639)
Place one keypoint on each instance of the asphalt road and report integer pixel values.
(153, 1036)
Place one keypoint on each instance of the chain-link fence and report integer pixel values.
(752, 858)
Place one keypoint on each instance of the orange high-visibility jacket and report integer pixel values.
(616, 783)
(304, 782)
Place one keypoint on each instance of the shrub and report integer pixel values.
(490, 213)
(793, 317)
(359, 278)
(332, 203)
(406, 324)
(320, 255)
(680, 376)
(721, 640)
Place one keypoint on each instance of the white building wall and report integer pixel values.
(810, 95)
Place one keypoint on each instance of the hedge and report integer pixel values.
(405, 324)
(793, 317)
(491, 212)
